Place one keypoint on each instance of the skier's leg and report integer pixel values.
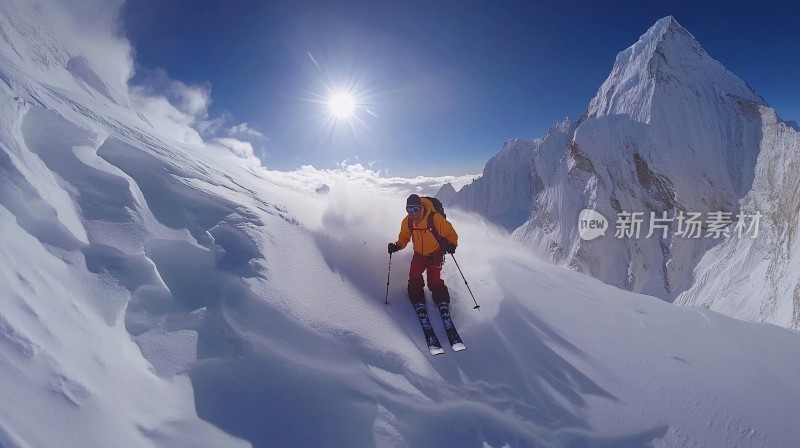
(435, 283)
(416, 294)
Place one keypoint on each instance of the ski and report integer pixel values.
(452, 333)
(430, 336)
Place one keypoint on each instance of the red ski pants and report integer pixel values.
(433, 265)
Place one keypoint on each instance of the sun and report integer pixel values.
(341, 105)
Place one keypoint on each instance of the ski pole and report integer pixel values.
(387, 278)
(476, 307)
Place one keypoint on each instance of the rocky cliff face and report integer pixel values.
(758, 277)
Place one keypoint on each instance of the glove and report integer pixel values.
(393, 248)
(450, 248)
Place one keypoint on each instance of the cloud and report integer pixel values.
(172, 104)
(356, 175)
(243, 129)
(193, 100)
(166, 118)
(239, 148)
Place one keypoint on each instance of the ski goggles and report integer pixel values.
(413, 209)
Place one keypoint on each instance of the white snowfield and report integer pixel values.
(670, 130)
(160, 293)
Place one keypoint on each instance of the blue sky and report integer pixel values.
(440, 85)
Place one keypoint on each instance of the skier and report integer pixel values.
(428, 252)
(433, 235)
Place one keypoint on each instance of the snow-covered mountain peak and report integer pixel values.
(446, 193)
(664, 29)
(666, 62)
(670, 131)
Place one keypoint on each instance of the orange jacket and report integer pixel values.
(424, 242)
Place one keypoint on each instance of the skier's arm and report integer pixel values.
(405, 235)
(446, 229)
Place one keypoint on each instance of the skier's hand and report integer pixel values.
(393, 248)
(450, 249)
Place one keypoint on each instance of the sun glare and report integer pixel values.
(341, 105)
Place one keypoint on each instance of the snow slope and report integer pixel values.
(163, 293)
(669, 131)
